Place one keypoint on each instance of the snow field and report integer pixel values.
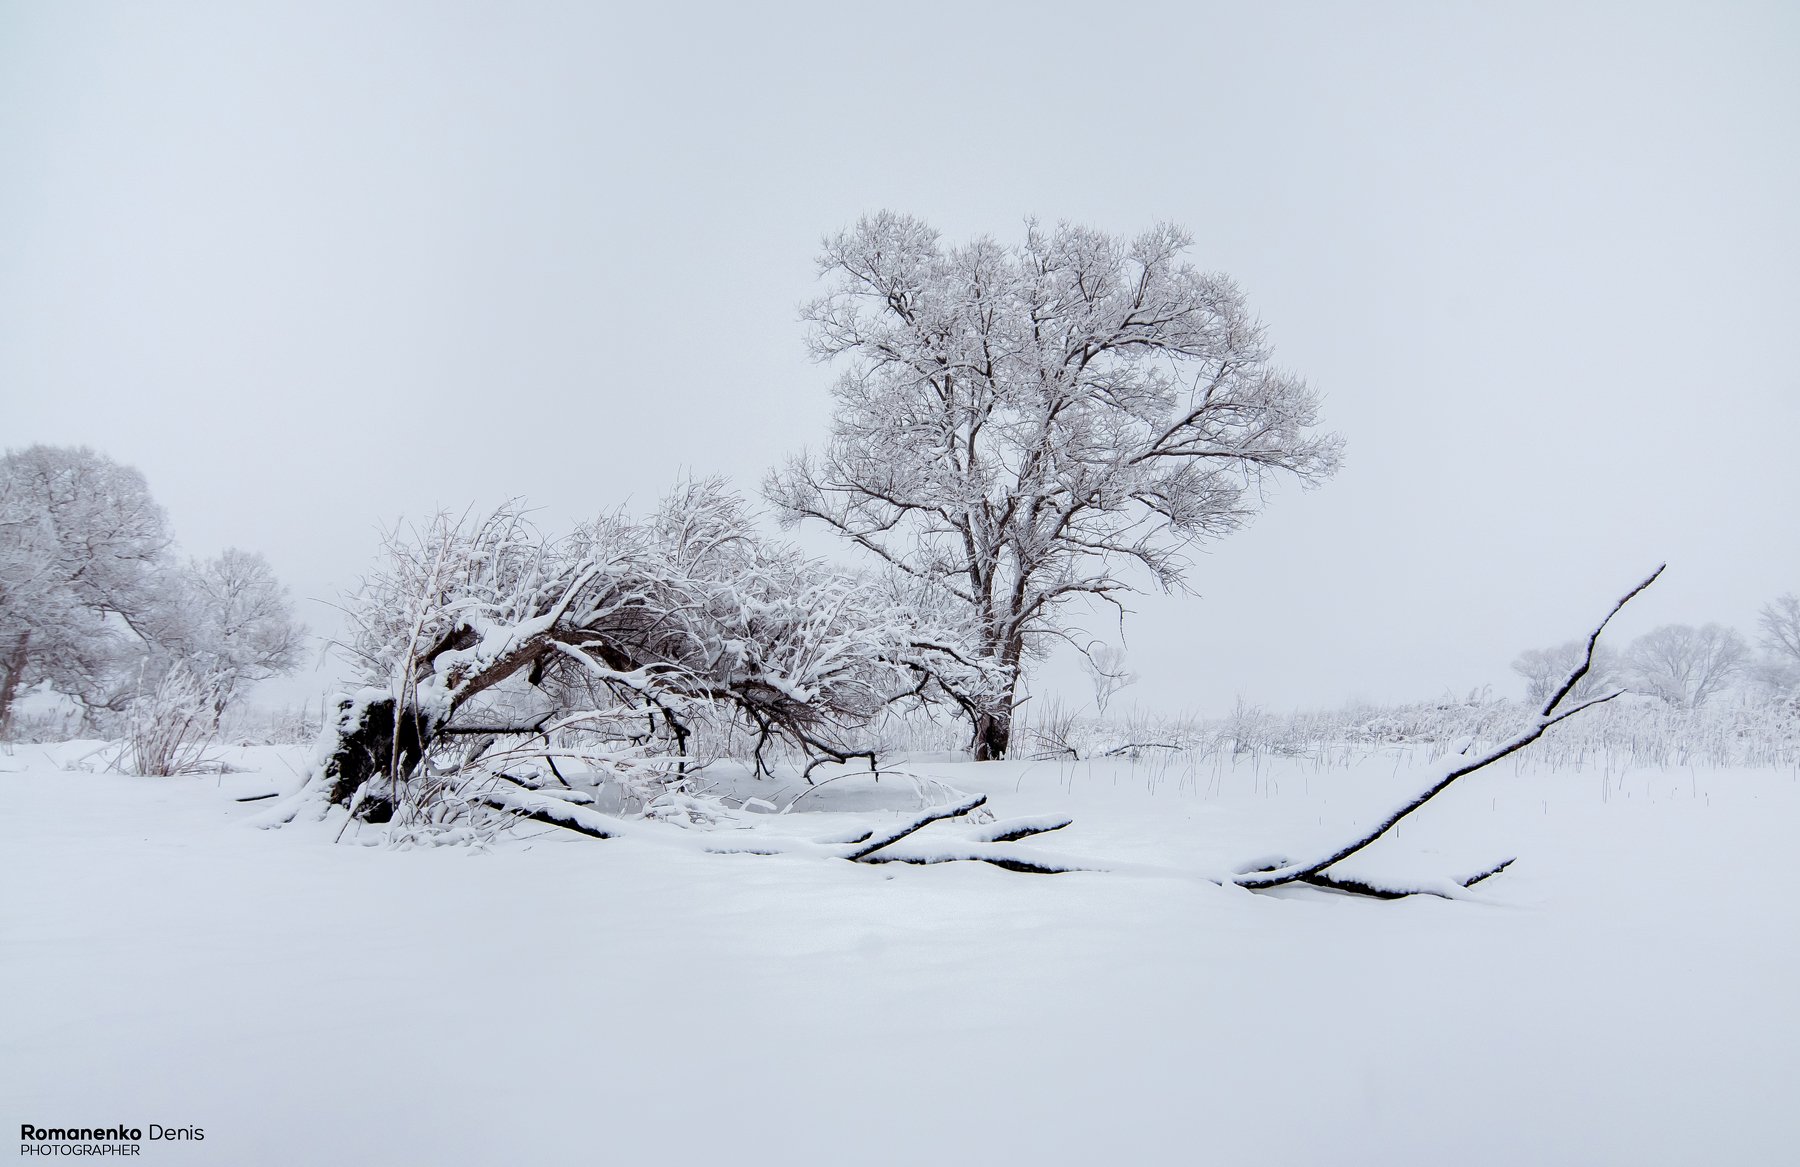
(1623, 994)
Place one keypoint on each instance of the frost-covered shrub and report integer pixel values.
(168, 730)
(1760, 731)
(1653, 733)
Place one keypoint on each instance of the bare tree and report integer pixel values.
(1017, 428)
(1779, 622)
(1777, 672)
(1544, 668)
(230, 622)
(1105, 667)
(1684, 665)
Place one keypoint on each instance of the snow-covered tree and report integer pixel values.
(81, 545)
(1779, 623)
(1020, 427)
(624, 633)
(229, 622)
(1684, 665)
(92, 602)
(1105, 667)
(1544, 669)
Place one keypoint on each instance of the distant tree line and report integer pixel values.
(1684, 665)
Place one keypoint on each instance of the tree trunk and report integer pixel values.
(374, 754)
(9, 686)
(994, 724)
(993, 733)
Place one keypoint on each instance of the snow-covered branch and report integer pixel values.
(1268, 876)
(684, 616)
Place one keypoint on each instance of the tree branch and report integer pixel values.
(877, 842)
(1304, 872)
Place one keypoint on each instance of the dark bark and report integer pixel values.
(1353, 886)
(375, 754)
(1313, 871)
(1012, 830)
(992, 715)
(1024, 866)
(993, 734)
(550, 816)
(888, 838)
(533, 729)
(9, 686)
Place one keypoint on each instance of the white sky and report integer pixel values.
(311, 266)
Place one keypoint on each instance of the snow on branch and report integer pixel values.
(1311, 871)
(1019, 427)
(488, 649)
(629, 632)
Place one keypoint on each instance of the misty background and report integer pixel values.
(312, 268)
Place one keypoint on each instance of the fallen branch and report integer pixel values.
(531, 730)
(1027, 862)
(1547, 717)
(877, 842)
(1385, 891)
(543, 808)
(552, 811)
(1012, 830)
(1363, 887)
(1496, 869)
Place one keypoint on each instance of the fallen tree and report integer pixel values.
(611, 648)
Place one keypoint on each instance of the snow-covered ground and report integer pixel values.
(1626, 993)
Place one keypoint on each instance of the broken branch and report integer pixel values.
(1549, 716)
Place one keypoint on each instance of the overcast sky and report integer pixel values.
(313, 266)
